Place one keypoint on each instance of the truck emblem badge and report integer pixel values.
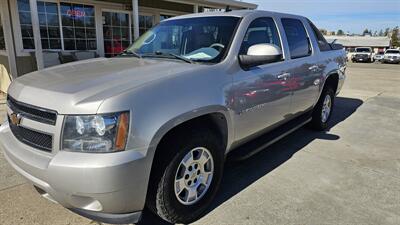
(15, 119)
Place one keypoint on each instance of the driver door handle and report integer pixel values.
(283, 76)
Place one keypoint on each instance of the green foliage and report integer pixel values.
(395, 37)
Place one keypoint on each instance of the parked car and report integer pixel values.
(379, 56)
(153, 127)
(363, 54)
(392, 56)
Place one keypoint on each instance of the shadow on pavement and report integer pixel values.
(238, 176)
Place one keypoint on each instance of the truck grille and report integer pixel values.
(32, 112)
(32, 138)
(361, 56)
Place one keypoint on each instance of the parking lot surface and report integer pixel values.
(347, 175)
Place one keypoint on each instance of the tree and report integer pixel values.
(365, 32)
(395, 37)
(380, 33)
(386, 33)
(376, 33)
(323, 31)
(340, 32)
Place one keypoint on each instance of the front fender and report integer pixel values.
(195, 113)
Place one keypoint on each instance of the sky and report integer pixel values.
(349, 15)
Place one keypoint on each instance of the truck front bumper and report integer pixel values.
(397, 60)
(361, 60)
(108, 187)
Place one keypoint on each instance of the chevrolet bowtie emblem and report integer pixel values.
(15, 119)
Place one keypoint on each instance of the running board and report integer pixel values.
(251, 148)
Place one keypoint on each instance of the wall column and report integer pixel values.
(135, 17)
(196, 8)
(8, 38)
(36, 34)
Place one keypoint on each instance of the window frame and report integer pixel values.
(47, 27)
(86, 39)
(278, 31)
(309, 40)
(130, 26)
(17, 27)
(322, 48)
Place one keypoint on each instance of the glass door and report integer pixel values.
(116, 32)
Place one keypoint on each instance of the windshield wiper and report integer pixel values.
(169, 55)
(130, 53)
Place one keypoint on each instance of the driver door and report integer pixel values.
(262, 94)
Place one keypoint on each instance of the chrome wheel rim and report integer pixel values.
(326, 108)
(193, 176)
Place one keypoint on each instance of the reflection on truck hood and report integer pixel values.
(80, 87)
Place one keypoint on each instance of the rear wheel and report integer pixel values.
(185, 187)
(323, 110)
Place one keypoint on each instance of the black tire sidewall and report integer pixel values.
(188, 213)
(317, 113)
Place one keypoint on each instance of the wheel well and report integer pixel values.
(332, 81)
(214, 121)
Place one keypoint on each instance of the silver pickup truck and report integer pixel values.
(152, 127)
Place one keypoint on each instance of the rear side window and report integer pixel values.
(299, 43)
(322, 43)
(261, 31)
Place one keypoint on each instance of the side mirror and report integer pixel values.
(260, 54)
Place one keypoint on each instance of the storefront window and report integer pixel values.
(145, 23)
(49, 25)
(78, 24)
(115, 32)
(164, 17)
(2, 42)
(24, 12)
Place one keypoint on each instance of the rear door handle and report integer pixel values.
(314, 68)
(283, 76)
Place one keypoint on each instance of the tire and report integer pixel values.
(162, 199)
(319, 120)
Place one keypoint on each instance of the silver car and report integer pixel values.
(153, 126)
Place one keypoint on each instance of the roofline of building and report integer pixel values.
(234, 3)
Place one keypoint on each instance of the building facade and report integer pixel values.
(35, 34)
(378, 44)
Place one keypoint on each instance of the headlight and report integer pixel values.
(96, 133)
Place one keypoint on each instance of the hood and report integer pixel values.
(80, 87)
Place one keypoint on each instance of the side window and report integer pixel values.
(261, 31)
(322, 43)
(299, 43)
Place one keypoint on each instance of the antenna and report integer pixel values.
(228, 8)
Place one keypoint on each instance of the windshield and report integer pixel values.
(363, 50)
(203, 39)
(392, 52)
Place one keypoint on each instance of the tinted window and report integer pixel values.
(392, 52)
(322, 43)
(299, 44)
(260, 31)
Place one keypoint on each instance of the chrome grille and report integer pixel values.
(32, 112)
(32, 138)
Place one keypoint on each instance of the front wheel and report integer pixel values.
(186, 187)
(323, 110)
